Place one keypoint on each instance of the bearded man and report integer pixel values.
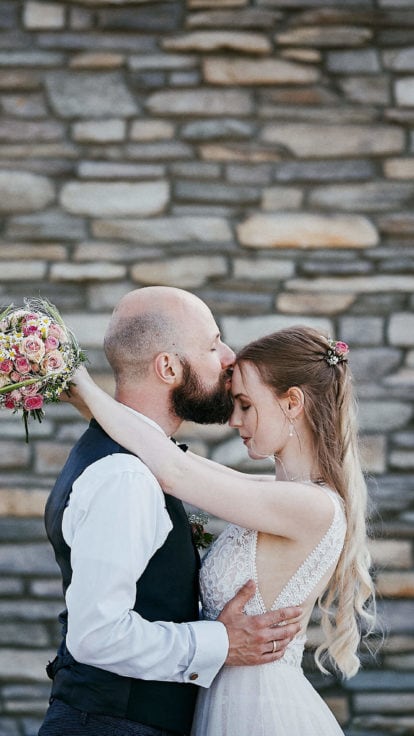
(133, 649)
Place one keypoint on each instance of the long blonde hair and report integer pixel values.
(297, 356)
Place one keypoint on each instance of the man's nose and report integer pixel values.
(228, 356)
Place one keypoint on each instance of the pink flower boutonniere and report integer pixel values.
(202, 539)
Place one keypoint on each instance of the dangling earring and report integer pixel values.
(291, 429)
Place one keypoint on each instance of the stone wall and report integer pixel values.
(261, 155)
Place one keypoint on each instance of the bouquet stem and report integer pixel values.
(12, 386)
(37, 414)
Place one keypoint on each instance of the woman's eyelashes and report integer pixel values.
(245, 407)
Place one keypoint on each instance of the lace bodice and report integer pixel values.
(231, 561)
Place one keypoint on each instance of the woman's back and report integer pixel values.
(286, 572)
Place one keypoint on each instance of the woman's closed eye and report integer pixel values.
(245, 407)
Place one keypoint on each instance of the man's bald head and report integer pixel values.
(146, 322)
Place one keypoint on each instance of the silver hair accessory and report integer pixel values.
(337, 352)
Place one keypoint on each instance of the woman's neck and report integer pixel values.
(296, 462)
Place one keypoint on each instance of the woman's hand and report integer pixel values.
(74, 394)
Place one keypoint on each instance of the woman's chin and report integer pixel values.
(255, 455)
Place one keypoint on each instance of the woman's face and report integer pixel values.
(258, 415)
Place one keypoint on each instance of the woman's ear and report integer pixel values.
(167, 367)
(296, 401)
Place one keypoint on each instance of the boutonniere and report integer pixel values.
(202, 539)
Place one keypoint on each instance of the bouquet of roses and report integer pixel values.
(38, 356)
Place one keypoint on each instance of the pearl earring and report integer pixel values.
(291, 428)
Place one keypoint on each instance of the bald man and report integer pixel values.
(133, 650)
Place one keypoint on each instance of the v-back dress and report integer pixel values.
(272, 699)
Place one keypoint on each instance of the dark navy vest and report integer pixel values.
(167, 591)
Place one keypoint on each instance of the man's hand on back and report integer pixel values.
(257, 639)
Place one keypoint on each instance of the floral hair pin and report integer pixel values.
(337, 352)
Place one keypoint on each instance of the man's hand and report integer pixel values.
(257, 639)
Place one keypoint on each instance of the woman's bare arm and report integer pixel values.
(230, 471)
(273, 507)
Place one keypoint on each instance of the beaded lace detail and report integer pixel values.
(231, 561)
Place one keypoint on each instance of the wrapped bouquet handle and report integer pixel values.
(38, 357)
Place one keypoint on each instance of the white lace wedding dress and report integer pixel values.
(273, 699)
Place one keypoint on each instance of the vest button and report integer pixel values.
(193, 676)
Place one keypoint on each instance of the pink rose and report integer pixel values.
(56, 331)
(31, 389)
(15, 376)
(9, 402)
(33, 402)
(30, 330)
(341, 348)
(33, 348)
(30, 315)
(6, 366)
(16, 395)
(53, 362)
(51, 343)
(22, 365)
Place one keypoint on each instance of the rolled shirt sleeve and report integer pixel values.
(115, 521)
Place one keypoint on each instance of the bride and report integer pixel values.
(301, 537)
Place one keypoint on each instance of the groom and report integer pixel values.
(133, 648)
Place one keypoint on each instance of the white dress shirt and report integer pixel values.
(115, 521)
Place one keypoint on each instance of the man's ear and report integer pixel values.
(167, 367)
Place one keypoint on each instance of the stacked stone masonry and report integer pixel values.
(261, 154)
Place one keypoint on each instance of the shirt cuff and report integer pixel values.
(211, 648)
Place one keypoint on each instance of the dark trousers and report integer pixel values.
(63, 720)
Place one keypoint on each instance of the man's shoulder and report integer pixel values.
(119, 462)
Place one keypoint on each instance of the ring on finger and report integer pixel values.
(274, 647)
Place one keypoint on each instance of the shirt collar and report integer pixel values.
(146, 419)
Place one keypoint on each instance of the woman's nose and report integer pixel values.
(234, 420)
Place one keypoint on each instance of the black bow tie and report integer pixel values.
(181, 445)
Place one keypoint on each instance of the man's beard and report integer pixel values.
(195, 403)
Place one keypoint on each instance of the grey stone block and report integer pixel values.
(372, 364)
(324, 170)
(217, 129)
(84, 94)
(212, 192)
(24, 634)
(364, 61)
(51, 225)
(13, 529)
(154, 18)
(35, 558)
(9, 726)
(363, 331)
